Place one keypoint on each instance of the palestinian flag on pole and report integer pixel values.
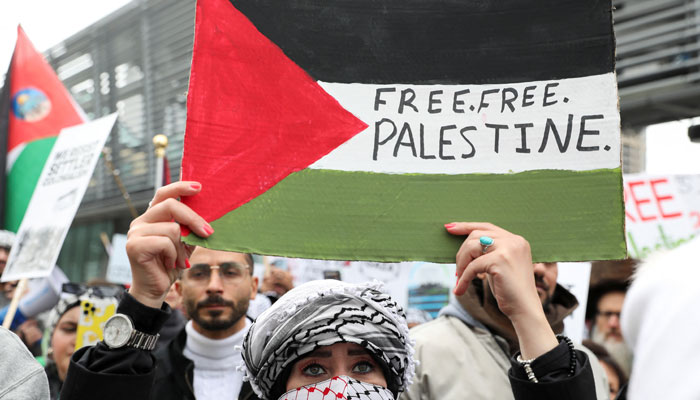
(34, 107)
(355, 130)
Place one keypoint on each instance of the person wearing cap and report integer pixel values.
(322, 340)
(603, 312)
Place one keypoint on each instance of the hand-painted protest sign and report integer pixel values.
(661, 212)
(118, 268)
(58, 194)
(337, 131)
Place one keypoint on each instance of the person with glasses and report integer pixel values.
(201, 361)
(216, 288)
(605, 301)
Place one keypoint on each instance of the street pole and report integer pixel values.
(160, 143)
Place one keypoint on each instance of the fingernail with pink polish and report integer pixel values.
(195, 186)
(208, 229)
(450, 225)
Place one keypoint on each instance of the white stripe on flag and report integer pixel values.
(468, 139)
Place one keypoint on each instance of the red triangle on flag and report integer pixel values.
(41, 105)
(253, 115)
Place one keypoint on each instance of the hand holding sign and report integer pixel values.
(310, 145)
(153, 244)
(507, 264)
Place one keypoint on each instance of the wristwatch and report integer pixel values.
(119, 331)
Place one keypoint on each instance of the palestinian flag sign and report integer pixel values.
(355, 129)
(34, 107)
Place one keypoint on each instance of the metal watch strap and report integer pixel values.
(142, 340)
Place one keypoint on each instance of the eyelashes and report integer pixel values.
(313, 368)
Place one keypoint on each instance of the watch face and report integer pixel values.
(117, 331)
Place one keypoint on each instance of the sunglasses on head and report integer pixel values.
(79, 289)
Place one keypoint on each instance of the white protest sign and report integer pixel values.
(119, 269)
(661, 212)
(393, 275)
(575, 277)
(56, 199)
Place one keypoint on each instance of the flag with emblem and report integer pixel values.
(34, 107)
(355, 130)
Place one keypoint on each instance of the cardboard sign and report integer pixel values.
(94, 312)
(661, 212)
(357, 133)
(119, 268)
(58, 194)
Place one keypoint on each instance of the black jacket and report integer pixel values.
(129, 373)
(175, 372)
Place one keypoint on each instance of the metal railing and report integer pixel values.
(658, 59)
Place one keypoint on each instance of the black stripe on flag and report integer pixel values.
(439, 41)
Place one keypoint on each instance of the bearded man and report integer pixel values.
(604, 307)
(465, 352)
(200, 363)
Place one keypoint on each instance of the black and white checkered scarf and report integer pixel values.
(322, 313)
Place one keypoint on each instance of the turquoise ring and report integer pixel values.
(486, 242)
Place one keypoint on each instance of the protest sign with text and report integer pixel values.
(118, 267)
(359, 136)
(661, 212)
(58, 194)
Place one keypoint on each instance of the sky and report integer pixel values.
(670, 151)
(48, 22)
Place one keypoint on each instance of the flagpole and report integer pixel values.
(160, 142)
(107, 153)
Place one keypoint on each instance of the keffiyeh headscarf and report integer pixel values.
(65, 303)
(323, 313)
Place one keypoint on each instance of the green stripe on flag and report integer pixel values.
(566, 215)
(23, 178)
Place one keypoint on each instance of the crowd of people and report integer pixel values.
(196, 324)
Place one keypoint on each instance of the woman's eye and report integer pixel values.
(314, 370)
(363, 367)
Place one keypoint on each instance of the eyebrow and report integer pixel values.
(357, 352)
(328, 354)
(319, 354)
